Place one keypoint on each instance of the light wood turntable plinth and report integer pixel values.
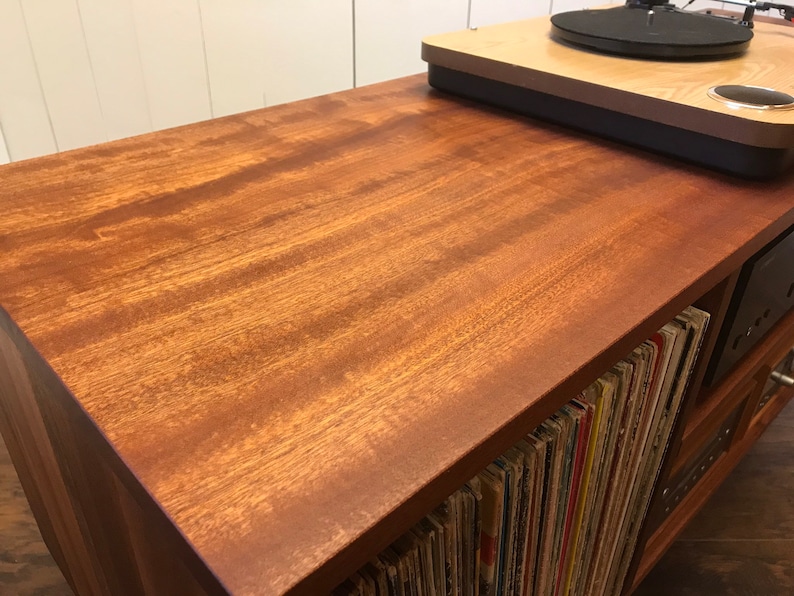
(660, 105)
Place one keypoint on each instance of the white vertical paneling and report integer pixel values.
(566, 5)
(271, 51)
(4, 157)
(491, 12)
(389, 34)
(58, 43)
(172, 58)
(113, 50)
(23, 112)
(309, 48)
(235, 44)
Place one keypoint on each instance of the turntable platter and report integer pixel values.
(659, 33)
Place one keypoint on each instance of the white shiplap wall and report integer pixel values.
(171, 46)
(4, 158)
(112, 42)
(492, 12)
(64, 68)
(23, 112)
(389, 34)
(78, 72)
(235, 68)
(309, 48)
(266, 52)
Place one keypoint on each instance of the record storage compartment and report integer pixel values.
(718, 426)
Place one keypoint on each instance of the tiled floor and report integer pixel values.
(742, 543)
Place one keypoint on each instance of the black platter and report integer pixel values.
(652, 31)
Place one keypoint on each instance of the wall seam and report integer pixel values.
(91, 68)
(4, 145)
(131, 6)
(206, 61)
(38, 77)
(353, 7)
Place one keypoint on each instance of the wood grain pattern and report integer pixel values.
(743, 534)
(300, 328)
(673, 93)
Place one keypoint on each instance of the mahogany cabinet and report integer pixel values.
(246, 354)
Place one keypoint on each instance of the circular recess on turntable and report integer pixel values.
(749, 96)
(658, 33)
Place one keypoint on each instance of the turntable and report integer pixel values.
(712, 90)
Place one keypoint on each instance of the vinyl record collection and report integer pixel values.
(560, 512)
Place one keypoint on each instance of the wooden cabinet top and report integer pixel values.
(302, 327)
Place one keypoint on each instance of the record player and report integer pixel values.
(713, 90)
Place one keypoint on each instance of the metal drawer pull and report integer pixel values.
(782, 379)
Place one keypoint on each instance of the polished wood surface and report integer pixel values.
(288, 334)
(670, 92)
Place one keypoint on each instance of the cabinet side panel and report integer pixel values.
(26, 435)
(103, 540)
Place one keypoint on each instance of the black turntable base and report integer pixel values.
(733, 114)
